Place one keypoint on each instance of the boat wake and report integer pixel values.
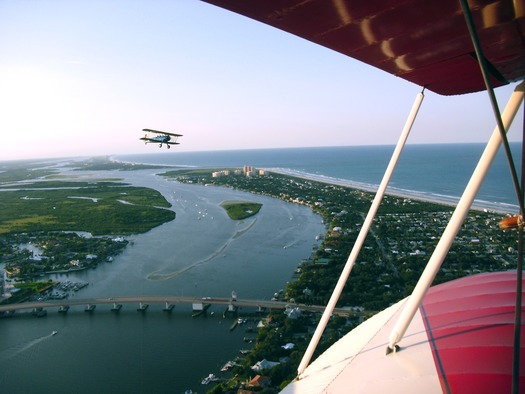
(218, 252)
(12, 352)
(289, 245)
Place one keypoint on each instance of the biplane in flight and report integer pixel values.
(161, 137)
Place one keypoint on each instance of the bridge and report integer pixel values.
(198, 304)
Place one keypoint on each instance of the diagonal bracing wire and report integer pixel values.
(519, 191)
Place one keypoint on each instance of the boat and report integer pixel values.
(54, 333)
(210, 378)
(227, 366)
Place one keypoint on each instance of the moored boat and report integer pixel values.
(210, 378)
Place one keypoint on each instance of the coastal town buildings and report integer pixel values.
(248, 171)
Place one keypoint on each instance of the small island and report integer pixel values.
(238, 210)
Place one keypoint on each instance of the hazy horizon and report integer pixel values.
(164, 152)
(84, 78)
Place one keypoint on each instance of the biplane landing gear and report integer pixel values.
(160, 146)
(169, 146)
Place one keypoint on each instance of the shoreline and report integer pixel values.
(410, 194)
(449, 200)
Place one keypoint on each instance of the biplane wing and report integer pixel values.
(161, 132)
(424, 42)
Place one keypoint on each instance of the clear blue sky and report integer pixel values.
(80, 78)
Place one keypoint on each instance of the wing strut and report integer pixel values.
(361, 237)
(456, 220)
(519, 276)
(517, 186)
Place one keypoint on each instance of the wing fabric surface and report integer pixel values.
(460, 341)
(470, 324)
(424, 42)
(161, 132)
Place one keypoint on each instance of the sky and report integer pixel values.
(84, 77)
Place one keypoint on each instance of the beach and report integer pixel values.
(409, 194)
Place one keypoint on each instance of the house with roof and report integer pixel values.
(259, 381)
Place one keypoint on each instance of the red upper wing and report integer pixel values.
(425, 42)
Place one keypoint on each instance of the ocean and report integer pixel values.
(438, 171)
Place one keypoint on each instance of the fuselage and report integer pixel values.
(161, 138)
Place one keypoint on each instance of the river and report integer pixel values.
(203, 253)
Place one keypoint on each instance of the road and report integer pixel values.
(167, 300)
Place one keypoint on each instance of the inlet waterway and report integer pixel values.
(202, 253)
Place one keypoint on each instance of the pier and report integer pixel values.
(199, 304)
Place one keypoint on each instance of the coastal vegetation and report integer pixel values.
(50, 225)
(27, 289)
(28, 255)
(104, 163)
(95, 207)
(238, 210)
(22, 171)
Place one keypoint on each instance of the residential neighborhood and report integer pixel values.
(400, 242)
